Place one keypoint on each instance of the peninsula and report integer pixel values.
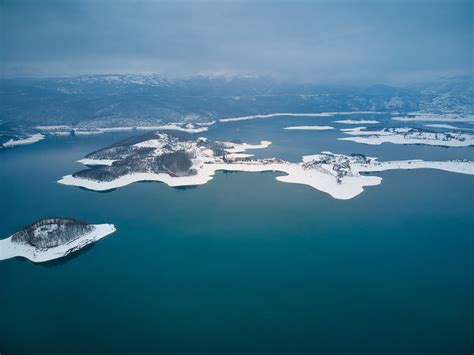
(186, 162)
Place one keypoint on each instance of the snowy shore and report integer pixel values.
(448, 126)
(188, 128)
(434, 117)
(63, 130)
(335, 174)
(320, 180)
(291, 114)
(408, 136)
(10, 249)
(94, 162)
(357, 121)
(309, 128)
(23, 141)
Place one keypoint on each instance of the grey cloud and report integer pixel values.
(341, 41)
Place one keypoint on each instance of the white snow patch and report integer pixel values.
(319, 114)
(81, 132)
(309, 128)
(357, 121)
(242, 147)
(434, 117)
(53, 128)
(408, 135)
(335, 174)
(448, 126)
(96, 162)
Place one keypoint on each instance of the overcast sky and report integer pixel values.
(328, 42)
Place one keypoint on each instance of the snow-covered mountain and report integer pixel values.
(113, 99)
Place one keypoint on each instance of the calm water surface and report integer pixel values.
(244, 264)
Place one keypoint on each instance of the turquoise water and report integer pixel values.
(244, 264)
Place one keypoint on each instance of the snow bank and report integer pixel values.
(321, 172)
(357, 121)
(448, 126)
(319, 114)
(309, 128)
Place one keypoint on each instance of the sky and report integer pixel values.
(304, 41)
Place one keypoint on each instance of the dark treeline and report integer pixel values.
(51, 232)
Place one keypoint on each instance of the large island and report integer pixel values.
(182, 161)
(52, 238)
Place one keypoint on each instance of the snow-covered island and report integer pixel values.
(52, 238)
(358, 122)
(23, 140)
(407, 135)
(186, 162)
(308, 128)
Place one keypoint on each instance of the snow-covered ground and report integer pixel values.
(357, 121)
(434, 117)
(10, 249)
(309, 128)
(407, 135)
(93, 162)
(53, 128)
(189, 128)
(320, 179)
(448, 126)
(278, 114)
(270, 115)
(238, 156)
(242, 147)
(23, 141)
(88, 132)
(183, 127)
(336, 174)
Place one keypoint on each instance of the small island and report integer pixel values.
(52, 238)
(407, 135)
(357, 122)
(23, 139)
(309, 128)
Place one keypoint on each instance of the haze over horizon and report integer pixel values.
(390, 42)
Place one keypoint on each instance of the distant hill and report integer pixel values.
(114, 99)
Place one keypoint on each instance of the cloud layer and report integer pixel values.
(328, 42)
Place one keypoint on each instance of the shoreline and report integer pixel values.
(356, 121)
(292, 114)
(308, 128)
(323, 178)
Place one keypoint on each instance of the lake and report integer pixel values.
(244, 264)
